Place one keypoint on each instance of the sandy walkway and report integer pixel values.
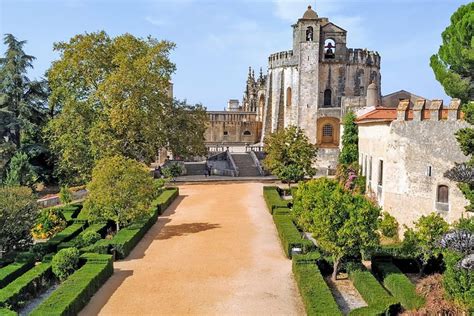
(214, 251)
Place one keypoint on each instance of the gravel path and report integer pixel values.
(215, 251)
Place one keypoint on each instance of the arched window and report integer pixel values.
(309, 34)
(288, 96)
(226, 133)
(327, 97)
(328, 132)
(247, 133)
(442, 194)
(329, 48)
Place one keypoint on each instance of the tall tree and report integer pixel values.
(343, 224)
(112, 98)
(290, 156)
(22, 104)
(453, 66)
(454, 69)
(350, 139)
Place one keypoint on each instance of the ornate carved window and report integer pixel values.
(327, 97)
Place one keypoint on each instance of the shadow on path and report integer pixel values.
(170, 231)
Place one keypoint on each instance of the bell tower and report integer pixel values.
(306, 42)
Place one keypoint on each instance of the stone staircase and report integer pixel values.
(246, 165)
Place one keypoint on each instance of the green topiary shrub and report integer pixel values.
(89, 238)
(65, 262)
(65, 195)
(388, 225)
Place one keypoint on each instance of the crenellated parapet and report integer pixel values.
(281, 59)
(363, 57)
(429, 111)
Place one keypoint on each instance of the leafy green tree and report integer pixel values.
(388, 225)
(121, 190)
(18, 212)
(290, 156)
(350, 139)
(422, 242)
(343, 224)
(453, 66)
(112, 98)
(20, 172)
(22, 108)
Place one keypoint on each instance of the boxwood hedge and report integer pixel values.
(316, 295)
(273, 199)
(12, 271)
(398, 284)
(290, 236)
(7, 312)
(165, 199)
(65, 235)
(26, 286)
(75, 242)
(378, 300)
(74, 293)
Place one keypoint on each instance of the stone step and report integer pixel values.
(246, 165)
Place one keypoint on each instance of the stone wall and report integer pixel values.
(226, 127)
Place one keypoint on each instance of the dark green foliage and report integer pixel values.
(289, 235)
(281, 211)
(74, 293)
(7, 312)
(453, 66)
(378, 300)
(18, 212)
(273, 199)
(458, 282)
(388, 225)
(173, 170)
(398, 284)
(26, 286)
(164, 200)
(83, 240)
(15, 269)
(67, 234)
(350, 139)
(65, 262)
(20, 172)
(71, 211)
(317, 297)
(65, 195)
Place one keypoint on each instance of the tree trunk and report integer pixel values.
(335, 267)
(118, 226)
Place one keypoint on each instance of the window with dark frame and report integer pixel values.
(247, 133)
(380, 179)
(443, 194)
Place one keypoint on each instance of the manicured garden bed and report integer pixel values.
(289, 235)
(273, 199)
(398, 284)
(317, 296)
(10, 272)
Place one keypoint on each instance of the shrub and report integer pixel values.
(86, 238)
(289, 235)
(388, 225)
(15, 269)
(457, 281)
(26, 286)
(18, 212)
(273, 199)
(50, 221)
(65, 195)
(67, 234)
(378, 300)
(317, 297)
(70, 211)
(89, 238)
(398, 284)
(164, 200)
(7, 312)
(65, 262)
(74, 293)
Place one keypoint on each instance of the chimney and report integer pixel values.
(436, 109)
(454, 110)
(419, 110)
(402, 110)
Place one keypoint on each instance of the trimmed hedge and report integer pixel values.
(378, 300)
(27, 286)
(273, 199)
(165, 199)
(7, 312)
(281, 211)
(316, 295)
(99, 228)
(65, 235)
(398, 284)
(74, 293)
(289, 235)
(14, 270)
(70, 211)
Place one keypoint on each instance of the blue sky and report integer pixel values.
(218, 40)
